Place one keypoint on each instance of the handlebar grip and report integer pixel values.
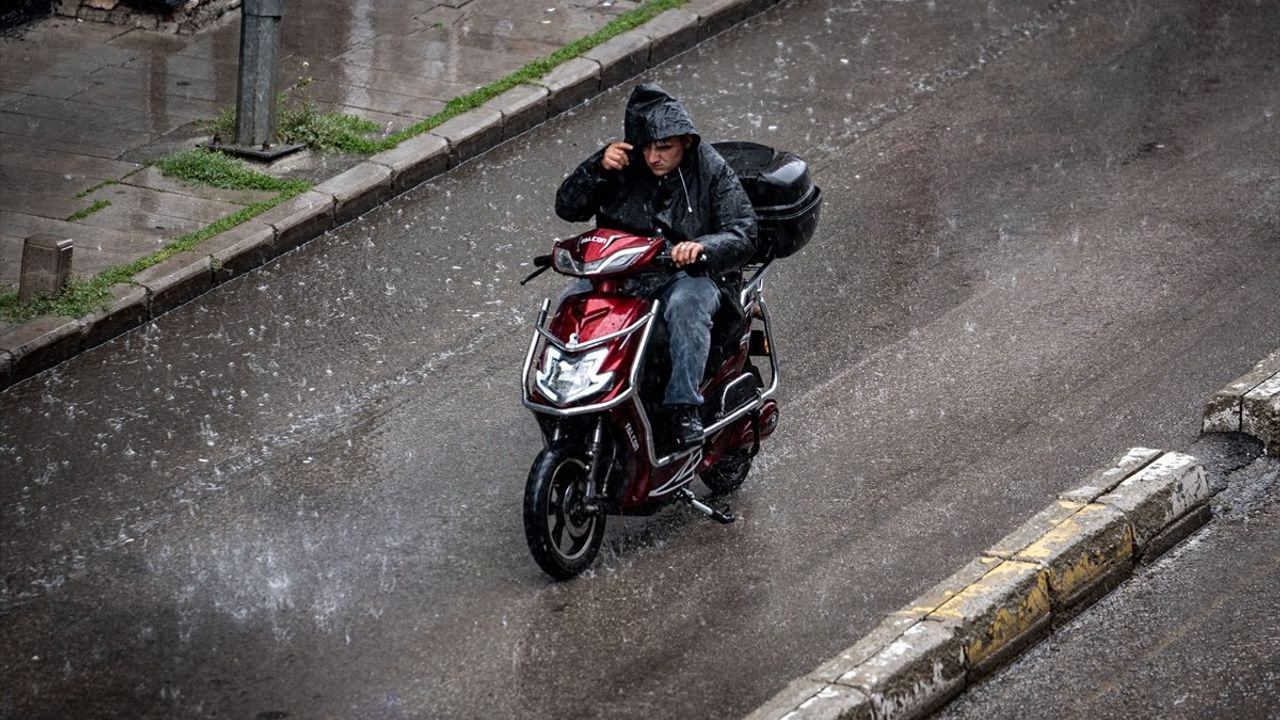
(699, 264)
(542, 261)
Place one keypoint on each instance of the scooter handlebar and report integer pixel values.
(665, 259)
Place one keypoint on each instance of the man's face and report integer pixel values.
(663, 156)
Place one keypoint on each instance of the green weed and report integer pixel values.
(200, 166)
(86, 212)
(325, 131)
(89, 191)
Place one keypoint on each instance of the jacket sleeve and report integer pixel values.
(732, 240)
(580, 194)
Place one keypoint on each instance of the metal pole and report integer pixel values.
(259, 54)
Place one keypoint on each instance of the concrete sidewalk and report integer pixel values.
(83, 107)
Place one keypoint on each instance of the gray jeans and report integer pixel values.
(688, 303)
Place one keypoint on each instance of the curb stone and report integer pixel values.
(670, 34)
(913, 675)
(1249, 404)
(523, 108)
(571, 83)
(1260, 414)
(1083, 557)
(31, 348)
(620, 58)
(1034, 579)
(1160, 493)
(415, 160)
(41, 343)
(1101, 482)
(127, 310)
(357, 190)
(889, 629)
(176, 281)
(818, 701)
(298, 220)
(716, 16)
(1000, 614)
(239, 250)
(471, 133)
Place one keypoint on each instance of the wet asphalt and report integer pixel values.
(1049, 235)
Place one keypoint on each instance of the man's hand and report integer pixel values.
(616, 156)
(686, 253)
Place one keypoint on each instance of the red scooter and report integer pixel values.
(597, 367)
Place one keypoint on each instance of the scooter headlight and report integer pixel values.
(621, 260)
(563, 261)
(566, 377)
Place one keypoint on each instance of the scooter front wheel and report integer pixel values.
(563, 536)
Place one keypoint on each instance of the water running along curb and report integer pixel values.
(46, 341)
(1037, 577)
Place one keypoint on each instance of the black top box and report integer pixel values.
(786, 201)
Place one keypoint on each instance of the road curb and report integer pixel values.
(1250, 404)
(37, 345)
(1034, 579)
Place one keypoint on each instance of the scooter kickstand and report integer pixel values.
(719, 516)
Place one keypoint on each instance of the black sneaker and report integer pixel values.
(687, 426)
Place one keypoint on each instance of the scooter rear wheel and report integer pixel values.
(728, 473)
(563, 536)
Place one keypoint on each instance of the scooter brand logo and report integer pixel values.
(635, 444)
(603, 242)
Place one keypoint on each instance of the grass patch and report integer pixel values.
(222, 125)
(325, 131)
(206, 167)
(86, 212)
(302, 122)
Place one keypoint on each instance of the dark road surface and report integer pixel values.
(1050, 233)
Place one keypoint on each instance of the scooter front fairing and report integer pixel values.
(586, 357)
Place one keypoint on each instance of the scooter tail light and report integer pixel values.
(769, 418)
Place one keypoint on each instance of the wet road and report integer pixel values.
(1050, 234)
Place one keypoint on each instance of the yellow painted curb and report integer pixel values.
(1087, 547)
(1004, 609)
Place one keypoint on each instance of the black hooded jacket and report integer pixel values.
(702, 201)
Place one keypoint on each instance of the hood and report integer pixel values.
(652, 114)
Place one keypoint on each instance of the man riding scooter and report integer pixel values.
(664, 180)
